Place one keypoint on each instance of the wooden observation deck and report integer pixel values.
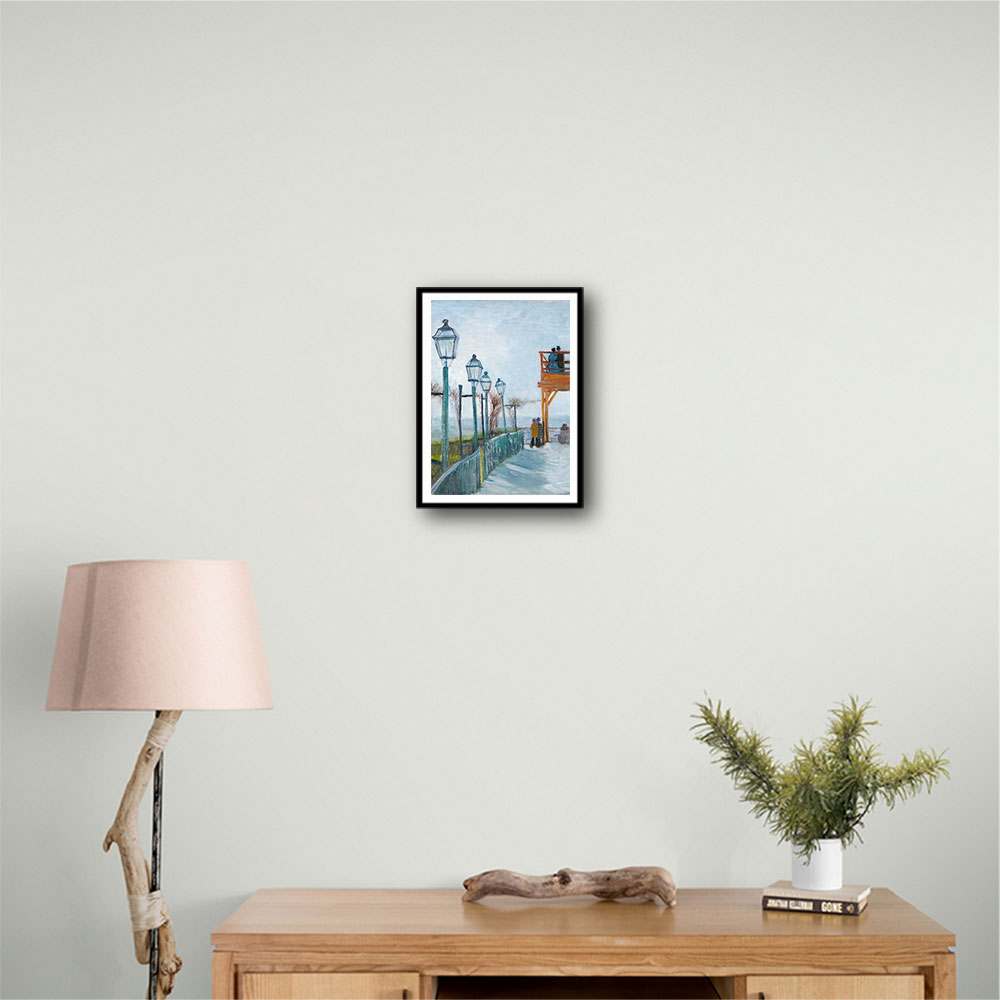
(553, 378)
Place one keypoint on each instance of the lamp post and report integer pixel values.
(485, 381)
(446, 342)
(474, 369)
(501, 388)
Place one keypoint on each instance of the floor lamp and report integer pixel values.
(164, 636)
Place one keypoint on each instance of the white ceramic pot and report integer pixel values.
(823, 870)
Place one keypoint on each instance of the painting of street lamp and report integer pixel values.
(446, 343)
(485, 382)
(500, 388)
(474, 369)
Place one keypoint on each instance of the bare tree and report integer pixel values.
(518, 402)
(496, 406)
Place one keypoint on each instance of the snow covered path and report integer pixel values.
(532, 470)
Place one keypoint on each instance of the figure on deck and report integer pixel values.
(553, 361)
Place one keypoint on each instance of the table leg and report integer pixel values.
(941, 984)
(223, 976)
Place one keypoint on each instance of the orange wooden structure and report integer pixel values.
(553, 378)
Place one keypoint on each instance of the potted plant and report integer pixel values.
(819, 800)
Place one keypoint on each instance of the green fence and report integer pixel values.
(462, 477)
(467, 476)
(499, 449)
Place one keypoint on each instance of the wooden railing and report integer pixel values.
(553, 363)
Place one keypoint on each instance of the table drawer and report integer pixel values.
(835, 987)
(329, 986)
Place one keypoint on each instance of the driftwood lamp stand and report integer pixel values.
(162, 636)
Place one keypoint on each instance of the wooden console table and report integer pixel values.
(338, 944)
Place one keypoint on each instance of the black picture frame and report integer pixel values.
(535, 479)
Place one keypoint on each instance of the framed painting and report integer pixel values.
(500, 397)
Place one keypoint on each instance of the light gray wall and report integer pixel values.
(784, 218)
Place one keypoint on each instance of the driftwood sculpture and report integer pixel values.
(619, 883)
(146, 909)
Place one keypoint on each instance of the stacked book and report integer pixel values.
(847, 901)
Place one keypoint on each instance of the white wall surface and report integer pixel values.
(784, 217)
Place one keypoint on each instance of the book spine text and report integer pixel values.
(833, 906)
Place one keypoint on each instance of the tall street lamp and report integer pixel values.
(501, 388)
(485, 381)
(446, 342)
(474, 369)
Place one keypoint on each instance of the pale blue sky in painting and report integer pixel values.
(506, 336)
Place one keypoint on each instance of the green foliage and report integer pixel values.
(827, 788)
(453, 455)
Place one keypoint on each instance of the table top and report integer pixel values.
(313, 918)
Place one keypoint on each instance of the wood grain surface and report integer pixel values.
(835, 987)
(330, 986)
(317, 918)
(718, 933)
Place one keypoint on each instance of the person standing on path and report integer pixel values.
(534, 432)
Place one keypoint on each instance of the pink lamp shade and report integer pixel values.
(151, 634)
